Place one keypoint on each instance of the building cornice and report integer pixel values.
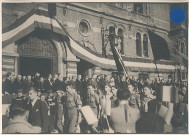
(98, 11)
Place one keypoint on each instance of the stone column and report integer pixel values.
(71, 63)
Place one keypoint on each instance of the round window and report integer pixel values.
(83, 27)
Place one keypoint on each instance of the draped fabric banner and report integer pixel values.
(159, 47)
(162, 49)
(38, 19)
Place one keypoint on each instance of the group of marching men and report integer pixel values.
(121, 105)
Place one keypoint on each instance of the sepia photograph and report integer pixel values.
(94, 67)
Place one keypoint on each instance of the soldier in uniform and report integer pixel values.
(93, 99)
(72, 104)
(134, 100)
(60, 111)
(94, 102)
(52, 110)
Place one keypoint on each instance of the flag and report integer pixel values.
(162, 49)
(118, 59)
(159, 46)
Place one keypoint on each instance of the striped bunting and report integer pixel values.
(40, 19)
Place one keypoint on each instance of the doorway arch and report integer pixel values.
(37, 54)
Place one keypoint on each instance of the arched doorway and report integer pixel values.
(37, 55)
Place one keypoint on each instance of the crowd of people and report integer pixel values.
(121, 105)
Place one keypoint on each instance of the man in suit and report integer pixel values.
(8, 85)
(18, 83)
(41, 85)
(79, 85)
(35, 80)
(48, 83)
(73, 82)
(58, 85)
(27, 84)
(38, 111)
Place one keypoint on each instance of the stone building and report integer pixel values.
(71, 38)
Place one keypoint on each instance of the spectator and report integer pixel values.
(52, 111)
(123, 83)
(18, 83)
(20, 98)
(18, 123)
(38, 115)
(134, 100)
(146, 98)
(119, 121)
(48, 85)
(65, 83)
(73, 81)
(58, 85)
(35, 80)
(27, 84)
(150, 123)
(79, 87)
(85, 84)
(114, 96)
(112, 81)
(8, 84)
(41, 85)
(182, 94)
(178, 124)
(53, 82)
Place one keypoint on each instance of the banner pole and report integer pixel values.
(180, 76)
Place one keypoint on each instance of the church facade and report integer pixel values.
(72, 38)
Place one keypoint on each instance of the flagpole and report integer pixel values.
(114, 50)
(180, 76)
(157, 69)
(175, 72)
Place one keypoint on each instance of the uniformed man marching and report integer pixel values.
(94, 102)
(93, 99)
(72, 104)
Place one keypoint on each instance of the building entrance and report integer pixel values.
(37, 55)
(29, 66)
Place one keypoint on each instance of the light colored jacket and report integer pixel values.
(20, 126)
